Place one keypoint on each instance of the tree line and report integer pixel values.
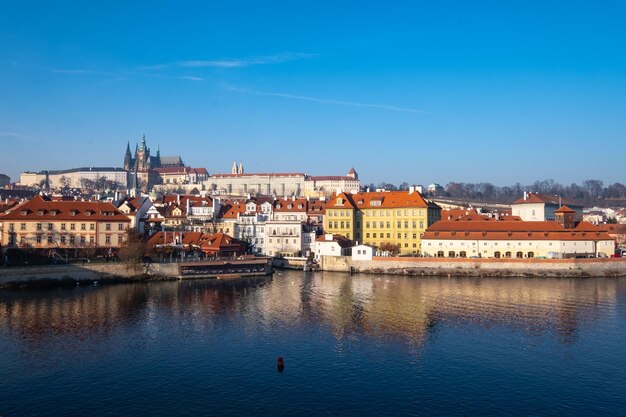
(589, 191)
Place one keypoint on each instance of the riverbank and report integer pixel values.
(222, 272)
(478, 267)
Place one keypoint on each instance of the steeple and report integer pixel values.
(234, 169)
(127, 157)
(240, 171)
(143, 142)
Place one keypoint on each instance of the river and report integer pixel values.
(352, 345)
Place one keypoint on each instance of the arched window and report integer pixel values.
(519, 255)
(440, 254)
(531, 255)
(462, 254)
(451, 254)
(496, 254)
(507, 255)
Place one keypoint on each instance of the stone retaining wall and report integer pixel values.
(478, 267)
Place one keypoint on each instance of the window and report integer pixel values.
(72, 226)
(108, 226)
(63, 239)
(22, 226)
(50, 226)
(62, 226)
(421, 224)
(367, 235)
(72, 239)
(92, 226)
(107, 239)
(82, 240)
(399, 224)
(11, 227)
(38, 239)
(38, 226)
(91, 239)
(373, 235)
(83, 226)
(381, 224)
(348, 225)
(367, 225)
(120, 238)
(49, 239)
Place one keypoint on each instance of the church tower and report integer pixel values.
(128, 158)
(240, 170)
(234, 169)
(143, 155)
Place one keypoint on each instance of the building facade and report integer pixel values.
(62, 226)
(542, 207)
(559, 238)
(389, 219)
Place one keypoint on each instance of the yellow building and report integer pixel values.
(388, 220)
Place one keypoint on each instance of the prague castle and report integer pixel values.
(143, 161)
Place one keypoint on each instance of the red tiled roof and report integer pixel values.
(564, 209)
(290, 205)
(513, 230)
(387, 199)
(272, 174)
(39, 209)
(343, 241)
(544, 198)
(332, 178)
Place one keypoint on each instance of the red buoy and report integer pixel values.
(280, 364)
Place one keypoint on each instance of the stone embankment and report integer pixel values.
(479, 267)
(233, 271)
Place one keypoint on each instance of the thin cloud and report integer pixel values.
(233, 63)
(13, 135)
(326, 101)
(79, 71)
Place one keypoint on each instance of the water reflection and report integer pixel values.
(378, 306)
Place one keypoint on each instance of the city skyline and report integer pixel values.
(488, 92)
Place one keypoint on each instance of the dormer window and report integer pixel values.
(24, 212)
(54, 212)
(73, 212)
(41, 212)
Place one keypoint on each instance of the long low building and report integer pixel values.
(561, 238)
(62, 226)
(85, 177)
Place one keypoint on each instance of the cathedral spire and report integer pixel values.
(234, 169)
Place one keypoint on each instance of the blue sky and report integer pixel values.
(411, 91)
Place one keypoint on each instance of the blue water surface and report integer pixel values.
(352, 345)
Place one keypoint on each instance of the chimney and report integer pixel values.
(411, 189)
(525, 196)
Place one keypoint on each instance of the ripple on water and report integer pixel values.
(353, 345)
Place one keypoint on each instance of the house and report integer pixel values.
(542, 207)
(363, 252)
(332, 245)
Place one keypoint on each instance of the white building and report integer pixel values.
(76, 178)
(363, 252)
(332, 245)
(541, 207)
(517, 239)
